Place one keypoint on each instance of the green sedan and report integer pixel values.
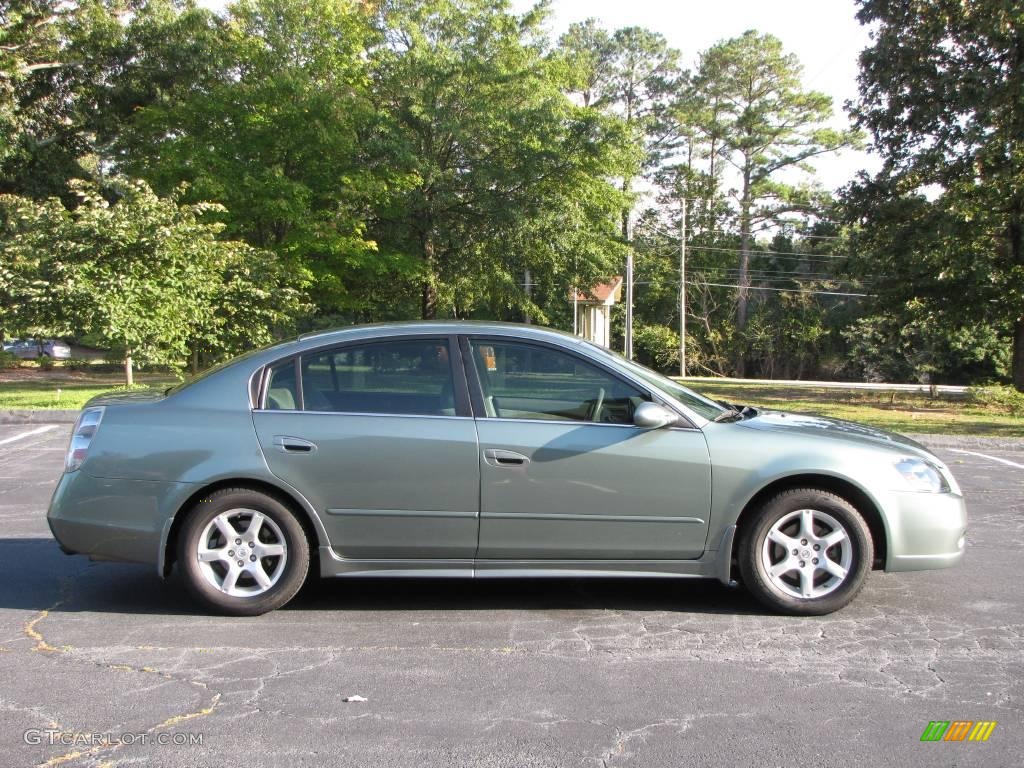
(487, 450)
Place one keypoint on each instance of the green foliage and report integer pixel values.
(923, 345)
(78, 364)
(271, 129)
(503, 173)
(657, 347)
(942, 94)
(8, 361)
(1002, 398)
(180, 184)
(145, 275)
(751, 103)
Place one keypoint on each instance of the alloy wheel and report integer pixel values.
(242, 553)
(807, 554)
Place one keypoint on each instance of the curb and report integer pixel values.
(44, 416)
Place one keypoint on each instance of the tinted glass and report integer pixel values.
(398, 377)
(523, 381)
(281, 392)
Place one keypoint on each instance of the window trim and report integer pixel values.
(460, 387)
(476, 387)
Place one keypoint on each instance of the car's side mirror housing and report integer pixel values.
(653, 416)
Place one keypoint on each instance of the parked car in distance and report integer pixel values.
(32, 349)
(487, 450)
(56, 349)
(26, 349)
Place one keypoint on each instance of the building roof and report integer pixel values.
(602, 293)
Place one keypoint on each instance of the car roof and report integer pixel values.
(446, 327)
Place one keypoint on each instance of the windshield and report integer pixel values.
(704, 406)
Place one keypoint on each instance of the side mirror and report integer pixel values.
(653, 416)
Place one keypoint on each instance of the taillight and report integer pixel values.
(85, 430)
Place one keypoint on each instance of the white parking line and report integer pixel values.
(23, 435)
(990, 458)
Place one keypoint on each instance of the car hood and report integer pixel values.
(835, 429)
(134, 397)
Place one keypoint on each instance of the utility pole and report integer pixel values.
(682, 292)
(629, 289)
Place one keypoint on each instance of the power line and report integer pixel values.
(784, 290)
(763, 229)
(816, 256)
(749, 287)
(768, 288)
(783, 273)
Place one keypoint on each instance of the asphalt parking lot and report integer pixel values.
(534, 673)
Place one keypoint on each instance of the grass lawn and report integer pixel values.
(892, 410)
(896, 411)
(34, 389)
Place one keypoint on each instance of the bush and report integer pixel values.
(46, 363)
(78, 364)
(657, 346)
(8, 360)
(1005, 399)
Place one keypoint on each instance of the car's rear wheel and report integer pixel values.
(243, 552)
(807, 552)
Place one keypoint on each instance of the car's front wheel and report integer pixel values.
(807, 552)
(243, 552)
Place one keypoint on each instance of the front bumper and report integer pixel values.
(112, 519)
(925, 530)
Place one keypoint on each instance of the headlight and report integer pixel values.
(920, 475)
(81, 438)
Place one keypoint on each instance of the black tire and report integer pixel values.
(785, 591)
(284, 525)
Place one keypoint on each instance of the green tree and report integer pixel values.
(503, 173)
(144, 276)
(52, 53)
(765, 123)
(274, 126)
(942, 96)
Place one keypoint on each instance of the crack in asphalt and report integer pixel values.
(42, 645)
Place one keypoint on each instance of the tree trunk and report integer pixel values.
(429, 299)
(744, 279)
(129, 378)
(528, 282)
(1015, 234)
(1018, 354)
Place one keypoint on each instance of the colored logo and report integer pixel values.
(958, 730)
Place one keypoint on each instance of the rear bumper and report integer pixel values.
(925, 530)
(112, 519)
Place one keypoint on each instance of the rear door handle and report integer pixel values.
(287, 444)
(498, 457)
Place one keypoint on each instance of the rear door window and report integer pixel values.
(403, 377)
(282, 394)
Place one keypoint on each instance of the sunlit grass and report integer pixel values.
(43, 391)
(893, 410)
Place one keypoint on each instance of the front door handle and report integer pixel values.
(287, 444)
(498, 457)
